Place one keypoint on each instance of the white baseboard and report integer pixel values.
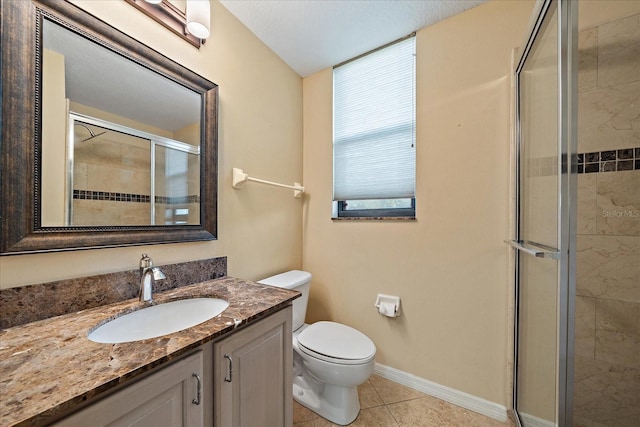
(531, 421)
(456, 397)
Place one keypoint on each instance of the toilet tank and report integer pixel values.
(298, 281)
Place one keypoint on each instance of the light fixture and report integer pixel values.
(199, 18)
(154, 1)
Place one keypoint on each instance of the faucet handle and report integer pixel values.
(158, 274)
(146, 261)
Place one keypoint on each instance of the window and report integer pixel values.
(374, 133)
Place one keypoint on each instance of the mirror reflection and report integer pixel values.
(126, 177)
(120, 142)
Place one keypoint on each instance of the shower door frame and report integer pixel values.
(567, 186)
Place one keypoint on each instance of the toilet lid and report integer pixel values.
(337, 341)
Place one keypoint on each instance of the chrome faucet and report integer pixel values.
(148, 275)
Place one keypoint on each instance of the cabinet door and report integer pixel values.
(253, 375)
(165, 398)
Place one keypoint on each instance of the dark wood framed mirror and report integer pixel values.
(26, 188)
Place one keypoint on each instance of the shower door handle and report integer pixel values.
(534, 249)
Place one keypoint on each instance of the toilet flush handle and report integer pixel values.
(229, 377)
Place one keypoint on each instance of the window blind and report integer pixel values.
(374, 125)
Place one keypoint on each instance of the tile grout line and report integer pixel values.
(384, 404)
(392, 416)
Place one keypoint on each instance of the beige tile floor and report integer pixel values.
(384, 403)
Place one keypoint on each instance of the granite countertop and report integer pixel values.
(50, 366)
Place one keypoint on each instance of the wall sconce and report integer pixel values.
(193, 26)
(199, 18)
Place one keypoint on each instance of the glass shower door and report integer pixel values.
(543, 237)
(175, 184)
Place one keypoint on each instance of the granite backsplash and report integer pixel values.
(36, 302)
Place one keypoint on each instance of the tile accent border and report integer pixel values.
(105, 195)
(26, 304)
(135, 198)
(625, 159)
(456, 397)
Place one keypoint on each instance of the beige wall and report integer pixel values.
(54, 125)
(450, 267)
(260, 130)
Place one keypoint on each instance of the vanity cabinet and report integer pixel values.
(253, 374)
(244, 379)
(172, 396)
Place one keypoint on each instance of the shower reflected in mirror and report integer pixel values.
(122, 176)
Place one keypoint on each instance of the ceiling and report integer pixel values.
(311, 35)
(99, 78)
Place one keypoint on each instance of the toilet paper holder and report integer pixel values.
(388, 305)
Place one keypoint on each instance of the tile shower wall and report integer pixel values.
(607, 342)
(111, 175)
(112, 184)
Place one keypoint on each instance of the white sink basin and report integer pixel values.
(157, 320)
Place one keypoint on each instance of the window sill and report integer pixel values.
(374, 218)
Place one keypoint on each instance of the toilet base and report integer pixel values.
(340, 405)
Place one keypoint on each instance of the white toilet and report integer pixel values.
(330, 360)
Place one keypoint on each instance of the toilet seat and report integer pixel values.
(336, 343)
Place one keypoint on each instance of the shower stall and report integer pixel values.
(577, 210)
(123, 176)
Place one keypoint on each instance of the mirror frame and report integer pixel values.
(20, 86)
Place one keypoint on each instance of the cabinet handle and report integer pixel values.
(196, 401)
(230, 376)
